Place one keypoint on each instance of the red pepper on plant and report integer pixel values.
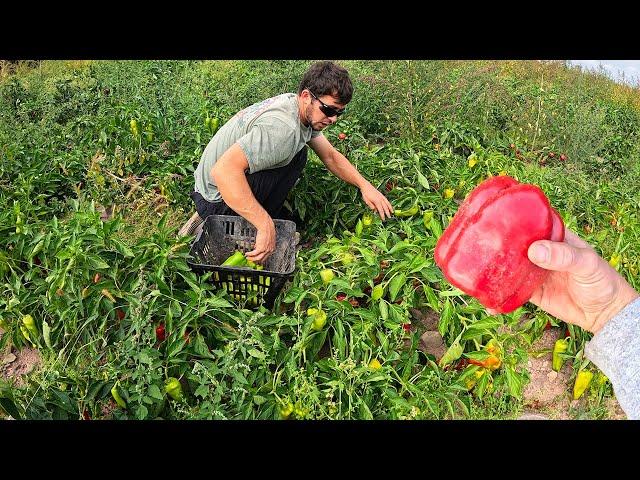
(483, 251)
(160, 333)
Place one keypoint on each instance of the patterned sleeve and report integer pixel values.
(615, 349)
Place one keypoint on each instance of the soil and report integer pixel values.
(15, 364)
(547, 396)
(548, 393)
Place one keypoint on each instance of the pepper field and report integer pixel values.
(91, 202)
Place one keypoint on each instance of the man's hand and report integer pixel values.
(265, 243)
(582, 288)
(376, 201)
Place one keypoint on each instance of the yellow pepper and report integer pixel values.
(560, 346)
(582, 382)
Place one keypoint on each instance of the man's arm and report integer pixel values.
(615, 349)
(344, 170)
(228, 174)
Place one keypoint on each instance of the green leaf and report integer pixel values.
(384, 309)
(9, 406)
(254, 352)
(217, 302)
(200, 346)
(122, 248)
(515, 381)
(486, 325)
(396, 284)
(456, 292)
(154, 392)
(62, 400)
(377, 377)
(97, 262)
(365, 413)
(292, 294)
(401, 245)
(422, 180)
(141, 412)
(445, 318)
(202, 391)
(398, 314)
(37, 248)
(453, 353)
(435, 227)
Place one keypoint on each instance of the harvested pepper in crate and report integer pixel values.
(222, 235)
(483, 251)
(236, 260)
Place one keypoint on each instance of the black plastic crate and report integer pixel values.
(222, 235)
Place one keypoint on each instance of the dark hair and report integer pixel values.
(328, 78)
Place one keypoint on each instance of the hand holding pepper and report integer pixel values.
(265, 243)
(483, 251)
(582, 287)
(376, 201)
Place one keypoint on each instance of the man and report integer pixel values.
(255, 159)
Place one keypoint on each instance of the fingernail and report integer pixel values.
(539, 253)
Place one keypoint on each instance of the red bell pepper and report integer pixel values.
(483, 251)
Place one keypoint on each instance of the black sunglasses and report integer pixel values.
(326, 109)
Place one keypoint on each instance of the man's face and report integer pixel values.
(314, 112)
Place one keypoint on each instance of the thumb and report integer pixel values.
(562, 257)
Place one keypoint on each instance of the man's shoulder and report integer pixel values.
(279, 116)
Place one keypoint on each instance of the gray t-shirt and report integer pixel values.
(269, 132)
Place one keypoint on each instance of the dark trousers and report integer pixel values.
(270, 187)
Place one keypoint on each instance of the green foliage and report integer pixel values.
(78, 139)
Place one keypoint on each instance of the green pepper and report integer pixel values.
(236, 260)
(367, 219)
(25, 334)
(319, 317)
(173, 388)
(30, 325)
(327, 275)
(116, 396)
(582, 382)
(426, 218)
(213, 124)
(560, 346)
(133, 125)
(407, 213)
(347, 258)
(377, 292)
(286, 410)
